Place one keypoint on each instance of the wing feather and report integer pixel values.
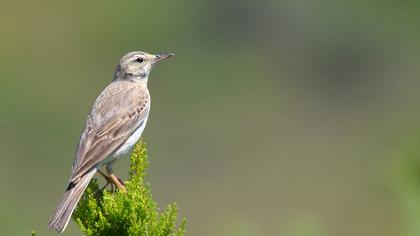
(116, 114)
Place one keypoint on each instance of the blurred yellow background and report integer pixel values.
(295, 118)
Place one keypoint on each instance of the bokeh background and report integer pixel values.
(295, 118)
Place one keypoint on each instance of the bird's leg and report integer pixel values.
(114, 178)
(107, 179)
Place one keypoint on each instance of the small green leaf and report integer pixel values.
(101, 212)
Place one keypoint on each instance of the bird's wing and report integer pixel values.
(117, 113)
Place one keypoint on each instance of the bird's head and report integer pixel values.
(137, 65)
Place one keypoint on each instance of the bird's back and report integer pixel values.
(116, 114)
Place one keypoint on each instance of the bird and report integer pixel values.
(115, 123)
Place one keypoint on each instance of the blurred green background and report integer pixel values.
(295, 118)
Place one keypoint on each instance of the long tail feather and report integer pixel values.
(71, 197)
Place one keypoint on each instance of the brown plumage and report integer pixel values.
(116, 114)
(115, 123)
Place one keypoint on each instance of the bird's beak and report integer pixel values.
(162, 56)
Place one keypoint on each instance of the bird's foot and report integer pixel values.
(117, 181)
(113, 181)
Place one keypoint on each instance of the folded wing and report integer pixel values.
(117, 113)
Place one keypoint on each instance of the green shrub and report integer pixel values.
(102, 212)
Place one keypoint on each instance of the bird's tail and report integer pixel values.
(68, 203)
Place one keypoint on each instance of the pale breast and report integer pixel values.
(131, 141)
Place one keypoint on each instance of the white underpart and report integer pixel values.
(128, 145)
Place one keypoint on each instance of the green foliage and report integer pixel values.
(102, 212)
(407, 183)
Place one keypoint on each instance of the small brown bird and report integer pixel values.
(114, 125)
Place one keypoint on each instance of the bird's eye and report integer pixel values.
(139, 60)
